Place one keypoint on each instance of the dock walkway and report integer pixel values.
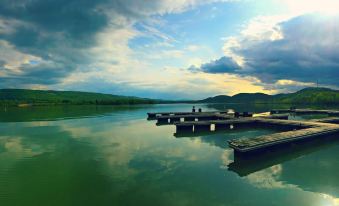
(310, 129)
(192, 117)
(306, 111)
(158, 114)
(250, 144)
(213, 121)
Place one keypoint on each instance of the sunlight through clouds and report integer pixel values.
(147, 48)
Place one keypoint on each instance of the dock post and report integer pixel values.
(273, 112)
(221, 126)
(162, 121)
(186, 119)
(174, 119)
(184, 128)
(202, 127)
(151, 115)
(247, 114)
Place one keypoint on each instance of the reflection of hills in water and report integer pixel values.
(48, 113)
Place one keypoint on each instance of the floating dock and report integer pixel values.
(188, 122)
(198, 126)
(306, 130)
(153, 115)
(222, 124)
(306, 111)
(157, 114)
(165, 119)
(245, 165)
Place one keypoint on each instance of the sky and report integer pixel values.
(169, 49)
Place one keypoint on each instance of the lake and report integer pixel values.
(111, 155)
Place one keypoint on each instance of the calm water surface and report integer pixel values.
(114, 156)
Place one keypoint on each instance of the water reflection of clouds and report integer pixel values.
(312, 175)
(13, 148)
(138, 149)
(137, 142)
(268, 178)
(226, 158)
(14, 145)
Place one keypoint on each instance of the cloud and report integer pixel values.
(222, 65)
(50, 35)
(60, 38)
(302, 49)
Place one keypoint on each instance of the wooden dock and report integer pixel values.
(245, 165)
(309, 130)
(153, 115)
(297, 130)
(170, 119)
(198, 126)
(226, 123)
(332, 120)
(214, 121)
(306, 111)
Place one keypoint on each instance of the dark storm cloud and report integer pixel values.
(76, 19)
(54, 30)
(306, 53)
(61, 31)
(222, 65)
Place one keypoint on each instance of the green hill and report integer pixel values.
(48, 97)
(251, 97)
(27, 97)
(217, 99)
(311, 96)
(304, 96)
(239, 98)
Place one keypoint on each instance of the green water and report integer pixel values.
(113, 156)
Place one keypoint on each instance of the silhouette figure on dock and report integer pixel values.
(193, 109)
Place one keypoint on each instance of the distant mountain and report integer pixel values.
(48, 97)
(311, 96)
(26, 97)
(305, 96)
(239, 98)
(217, 99)
(251, 97)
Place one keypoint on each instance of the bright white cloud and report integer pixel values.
(299, 7)
(284, 52)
